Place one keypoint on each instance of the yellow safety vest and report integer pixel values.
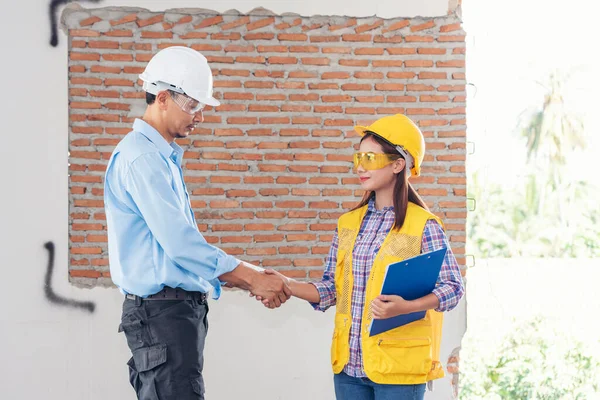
(408, 354)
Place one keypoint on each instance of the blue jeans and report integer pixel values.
(350, 388)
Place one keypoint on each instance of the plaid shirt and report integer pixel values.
(375, 227)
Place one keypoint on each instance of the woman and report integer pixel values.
(390, 224)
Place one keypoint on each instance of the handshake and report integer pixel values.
(267, 286)
(278, 289)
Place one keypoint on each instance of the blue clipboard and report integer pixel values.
(411, 279)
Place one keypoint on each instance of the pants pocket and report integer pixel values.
(142, 367)
(135, 332)
(198, 386)
(205, 316)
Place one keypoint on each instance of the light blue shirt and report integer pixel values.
(153, 238)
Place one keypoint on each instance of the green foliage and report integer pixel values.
(532, 363)
(545, 214)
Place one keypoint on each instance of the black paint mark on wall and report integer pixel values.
(53, 10)
(53, 297)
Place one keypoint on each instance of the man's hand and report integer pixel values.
(272, 289)
(384, 307)
(284, 278)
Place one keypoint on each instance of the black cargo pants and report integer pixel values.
(166, 339)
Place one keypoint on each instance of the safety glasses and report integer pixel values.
(371, 161)
(186, 103)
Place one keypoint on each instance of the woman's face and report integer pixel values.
(377, 179)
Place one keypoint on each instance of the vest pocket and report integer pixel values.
(335, 358)
(411, 355)
(339, 342)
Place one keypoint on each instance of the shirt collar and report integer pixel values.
(371, 207)
(172, 150)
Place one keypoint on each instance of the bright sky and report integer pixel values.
(510, 45)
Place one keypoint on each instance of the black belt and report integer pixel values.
(168, 293)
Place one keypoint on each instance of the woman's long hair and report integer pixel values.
(403, 190)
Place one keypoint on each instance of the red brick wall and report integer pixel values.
(269, 171)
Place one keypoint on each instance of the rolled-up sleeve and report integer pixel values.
(148, 183)
(449, 288)
(326, 286)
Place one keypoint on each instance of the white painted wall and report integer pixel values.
(55, 352)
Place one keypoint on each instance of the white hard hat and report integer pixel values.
(182, 70)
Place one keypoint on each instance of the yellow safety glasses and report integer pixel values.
(371, 161)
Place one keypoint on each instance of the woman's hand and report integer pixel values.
(302, 290)
(287, 281)
(388, 306)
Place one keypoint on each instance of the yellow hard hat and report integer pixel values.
(401, 132)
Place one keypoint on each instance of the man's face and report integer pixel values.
(184, 115)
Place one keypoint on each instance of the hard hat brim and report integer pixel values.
(211, 101)
(361, 130)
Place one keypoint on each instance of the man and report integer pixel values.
(158, 258)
